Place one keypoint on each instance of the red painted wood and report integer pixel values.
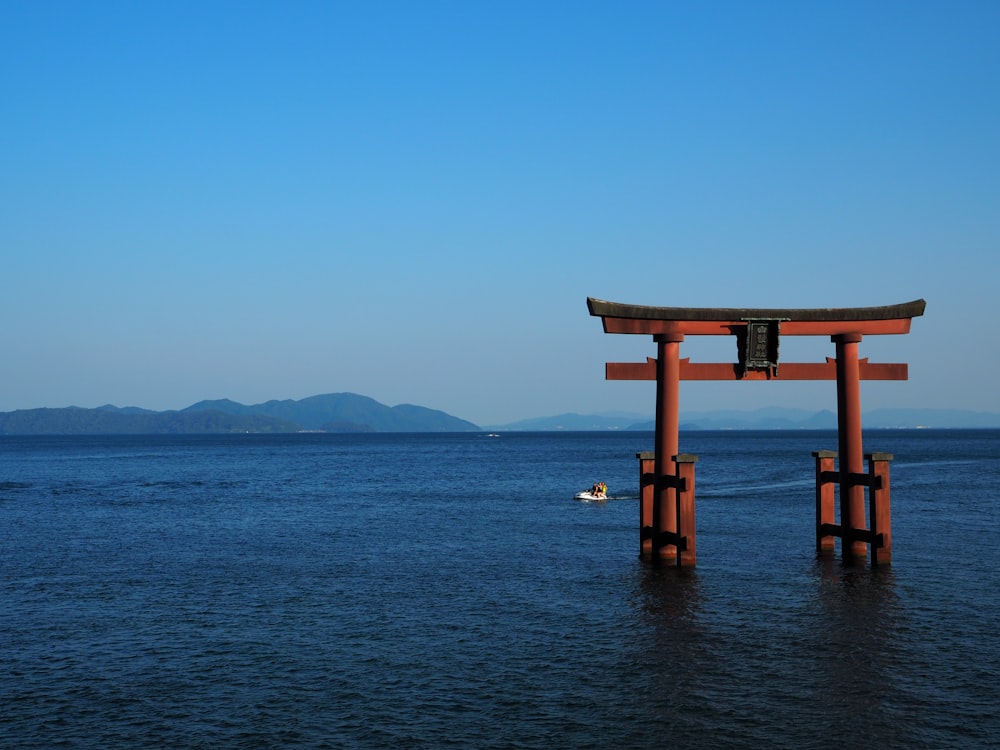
(666, 440)
(647, 478)
(878, 507)
(852, 495)
(686, 528)
(786, 371)
(825, 510)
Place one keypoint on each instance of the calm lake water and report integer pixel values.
(430, 591)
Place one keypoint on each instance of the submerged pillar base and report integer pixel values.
(676, 546)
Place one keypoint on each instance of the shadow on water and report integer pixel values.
(670, 648)
(856, 632)
(858, 602)
(668, 597)
(796, 661)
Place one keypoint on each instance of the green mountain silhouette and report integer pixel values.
(334, 412)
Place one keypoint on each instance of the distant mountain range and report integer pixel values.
(770, 418)
(334, 412)
(351, 413)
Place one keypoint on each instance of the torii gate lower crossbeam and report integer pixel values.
(757, 333)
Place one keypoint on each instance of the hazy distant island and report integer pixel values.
(353, 413)
(767, 418)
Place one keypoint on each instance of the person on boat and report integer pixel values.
(599, 489)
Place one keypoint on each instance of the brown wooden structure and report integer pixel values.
(667, 501)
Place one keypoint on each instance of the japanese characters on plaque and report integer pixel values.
(759, 345)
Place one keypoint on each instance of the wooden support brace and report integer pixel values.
(879, 517)
(687, 554)
(878, 534)
(647, 477)
(675, 482)
(856, 480)
(825, 506)
(681, 482)
(671, 537)
(853, 535)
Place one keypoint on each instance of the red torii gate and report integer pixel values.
(667, 510)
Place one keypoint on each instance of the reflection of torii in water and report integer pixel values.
(670, 521)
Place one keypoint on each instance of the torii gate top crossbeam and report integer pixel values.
(643, 319)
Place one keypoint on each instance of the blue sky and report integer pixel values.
(412, 201)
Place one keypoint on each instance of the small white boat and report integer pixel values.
(588, 497)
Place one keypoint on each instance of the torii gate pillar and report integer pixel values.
(666, 447)
(852, 495)
(670, 535)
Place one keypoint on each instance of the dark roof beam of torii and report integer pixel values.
(722, 321)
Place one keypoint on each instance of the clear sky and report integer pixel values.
(413, 200)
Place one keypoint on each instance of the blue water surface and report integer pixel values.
(426, 591)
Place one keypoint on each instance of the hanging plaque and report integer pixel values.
(759, 345)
